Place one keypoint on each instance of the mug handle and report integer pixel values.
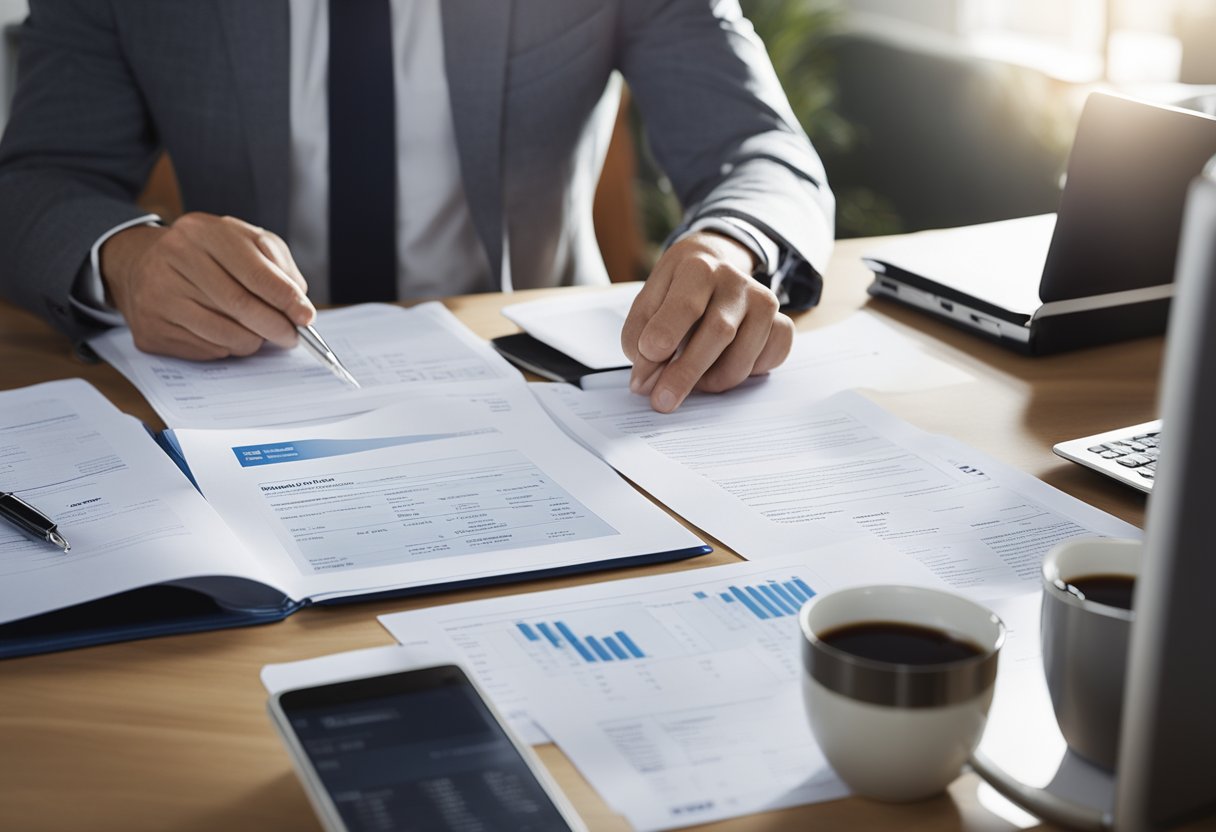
(1040, 802)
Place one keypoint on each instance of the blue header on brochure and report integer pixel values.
(252, 455)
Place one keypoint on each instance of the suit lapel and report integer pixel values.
(258, 35)
(475, 36)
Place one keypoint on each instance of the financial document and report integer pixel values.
(437, 491)
(519, 644)
(130, 515)
(769, 469)
(677, 694)
(394, 353)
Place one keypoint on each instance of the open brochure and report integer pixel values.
(445, 491)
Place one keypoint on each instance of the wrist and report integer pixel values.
(731, 250)
(119, 256)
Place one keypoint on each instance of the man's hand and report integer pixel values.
(205, 287)
(702, 322)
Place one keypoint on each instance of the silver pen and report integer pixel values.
(30, 520)
(314, 343)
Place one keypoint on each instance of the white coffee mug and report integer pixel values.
(892, 731)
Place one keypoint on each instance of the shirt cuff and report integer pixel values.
(89, 292)
(762, 246)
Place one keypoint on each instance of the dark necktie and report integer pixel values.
(362, 153)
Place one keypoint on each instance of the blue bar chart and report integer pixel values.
(617, 646)
(771, 599)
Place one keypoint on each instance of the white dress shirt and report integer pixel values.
(438, 252)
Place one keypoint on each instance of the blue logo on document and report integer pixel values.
(252, 455)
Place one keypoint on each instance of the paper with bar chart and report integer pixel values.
(718, 645)
(520, 643)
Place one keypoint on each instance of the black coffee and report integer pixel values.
(893, 642)
(1112, 590)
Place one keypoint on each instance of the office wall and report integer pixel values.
(11, 11)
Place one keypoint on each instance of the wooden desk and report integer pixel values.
(172, 733)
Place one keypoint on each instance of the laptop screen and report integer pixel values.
(1122, 204)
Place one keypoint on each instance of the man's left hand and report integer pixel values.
(702, 322)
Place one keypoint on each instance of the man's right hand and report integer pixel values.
(205, 287)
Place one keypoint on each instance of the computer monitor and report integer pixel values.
(1167, 756)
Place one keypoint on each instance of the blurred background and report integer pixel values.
(928, 113)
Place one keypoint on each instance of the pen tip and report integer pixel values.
(59, 540)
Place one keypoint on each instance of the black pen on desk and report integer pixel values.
(30, 520)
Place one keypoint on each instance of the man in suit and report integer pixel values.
(401, 148)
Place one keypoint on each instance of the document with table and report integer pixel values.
(433, 492)
(774, 468)
(394, 353)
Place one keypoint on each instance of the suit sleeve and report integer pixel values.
(77, 151)
(722, 129)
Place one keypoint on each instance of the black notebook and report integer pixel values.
(537, 357)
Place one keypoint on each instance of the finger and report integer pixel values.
(646, 373)
(189, 344)
(174, 340)
(736, 362)
(683, 305)
(272, 246)
(644, 307)
(238, 248)
(229, 297)
(715, 332)
(777, 349)
(220, 330)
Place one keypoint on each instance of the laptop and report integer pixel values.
(1099, 270)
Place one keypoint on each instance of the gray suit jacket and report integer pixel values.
(105, 85)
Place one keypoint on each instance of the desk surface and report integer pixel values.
(172, 733)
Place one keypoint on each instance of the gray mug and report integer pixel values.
(1085, 645)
